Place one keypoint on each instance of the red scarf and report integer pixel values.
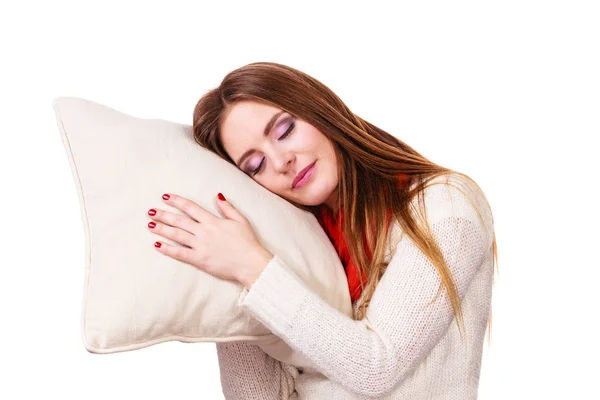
(334, 232)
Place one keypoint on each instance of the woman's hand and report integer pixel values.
(226, 247)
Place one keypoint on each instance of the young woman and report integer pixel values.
(420, 312)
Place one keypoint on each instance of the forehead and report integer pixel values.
(243, 125)
(247, 117)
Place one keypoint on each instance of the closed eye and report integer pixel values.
(287, 132)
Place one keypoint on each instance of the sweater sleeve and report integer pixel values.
(372, 356)
(248, 373)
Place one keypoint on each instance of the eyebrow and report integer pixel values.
(268, 128)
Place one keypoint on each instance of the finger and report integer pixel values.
(230, 211)
(177, 252)
(176, 220)
(170, 232)
(190, 208)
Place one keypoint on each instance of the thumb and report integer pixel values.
(229, 210)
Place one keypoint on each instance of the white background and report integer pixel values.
(507, 92)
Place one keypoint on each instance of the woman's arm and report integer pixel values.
(372, 356)
(247, 372)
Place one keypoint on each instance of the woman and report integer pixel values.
(420, 313)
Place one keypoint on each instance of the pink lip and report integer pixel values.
(303, 176)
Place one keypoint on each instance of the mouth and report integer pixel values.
(301, 175)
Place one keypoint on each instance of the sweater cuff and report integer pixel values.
(275, 296)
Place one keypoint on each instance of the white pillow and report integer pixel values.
(135, 296)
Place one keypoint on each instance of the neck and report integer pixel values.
(332, 201)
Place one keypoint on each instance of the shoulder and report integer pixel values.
(455, 209)
(452, 193)
(458, 198)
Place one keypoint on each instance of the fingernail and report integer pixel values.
(221, 197)
(152, 211)
(157, 244)
(151, 224)
(166, 196)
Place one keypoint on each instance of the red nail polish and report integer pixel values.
(157, 244)
(152, 211)
(221, 197)
(166, 196)
(151, 224)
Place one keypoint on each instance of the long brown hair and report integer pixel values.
(368, 158)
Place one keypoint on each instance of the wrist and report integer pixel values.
(256, 265)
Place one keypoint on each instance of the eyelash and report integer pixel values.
(287, 132)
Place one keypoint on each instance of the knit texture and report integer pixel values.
(383, 355)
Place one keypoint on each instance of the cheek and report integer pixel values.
(314, 141)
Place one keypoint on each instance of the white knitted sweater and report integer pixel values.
(383, 355)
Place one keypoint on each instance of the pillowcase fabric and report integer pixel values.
(135, 296)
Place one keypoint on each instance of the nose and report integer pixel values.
(282, 161)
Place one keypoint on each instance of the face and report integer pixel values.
(274, 160)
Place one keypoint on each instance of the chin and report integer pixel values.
(310, 202)
(318, 200)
